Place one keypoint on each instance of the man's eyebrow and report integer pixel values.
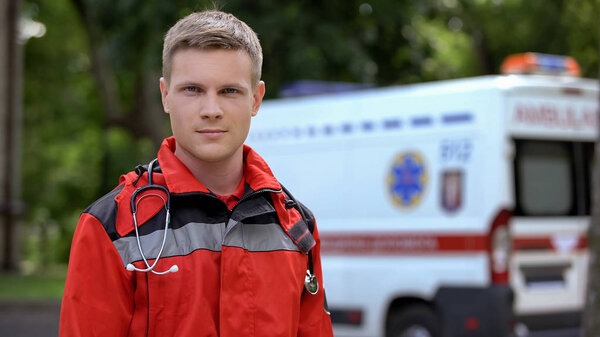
(188, 84)
(233, 85)
(237, 85)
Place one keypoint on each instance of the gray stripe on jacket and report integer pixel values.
(194, 236)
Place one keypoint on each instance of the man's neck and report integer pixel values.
(221, 178)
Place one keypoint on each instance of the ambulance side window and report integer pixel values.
(544, 177)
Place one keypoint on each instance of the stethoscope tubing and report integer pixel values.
(134, 207)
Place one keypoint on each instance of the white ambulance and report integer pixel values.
(454, 208)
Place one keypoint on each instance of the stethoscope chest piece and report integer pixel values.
(310, 283)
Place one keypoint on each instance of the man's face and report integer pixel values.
(210, 99)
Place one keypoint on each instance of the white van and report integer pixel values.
(454, 208)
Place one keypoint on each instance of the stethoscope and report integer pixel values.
(134, 206)
(311, 283)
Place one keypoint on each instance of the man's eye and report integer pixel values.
(230, 90)
(190, 89)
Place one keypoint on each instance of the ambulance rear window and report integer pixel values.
(552, 178)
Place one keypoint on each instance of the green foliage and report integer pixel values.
(582, 34)
(65, 141)
(61, 123)
(449, 54)
(73, 152)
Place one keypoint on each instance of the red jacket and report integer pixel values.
(241, 272)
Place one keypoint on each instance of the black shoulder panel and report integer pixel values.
(308, 216)
(105, 210)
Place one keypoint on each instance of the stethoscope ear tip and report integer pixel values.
(130, 267)
(174, 268)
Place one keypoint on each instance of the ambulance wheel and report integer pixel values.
(413, 321)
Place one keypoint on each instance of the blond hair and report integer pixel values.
(212, 29)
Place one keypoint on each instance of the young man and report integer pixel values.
(214, 246)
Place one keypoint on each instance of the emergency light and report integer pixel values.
(537, 63)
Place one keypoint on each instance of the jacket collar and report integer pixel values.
(179, 179)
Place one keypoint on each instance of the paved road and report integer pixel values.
(27, 319)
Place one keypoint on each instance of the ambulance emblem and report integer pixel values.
(452, 190)
(407, 179)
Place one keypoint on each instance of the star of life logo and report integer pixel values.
(407, 179)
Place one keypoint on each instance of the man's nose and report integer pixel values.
(211, 109)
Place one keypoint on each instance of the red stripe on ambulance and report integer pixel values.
(400, 243)
(548, 243)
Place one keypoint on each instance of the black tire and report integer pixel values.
(413, 321)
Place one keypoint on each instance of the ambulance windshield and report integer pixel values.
(552, 178)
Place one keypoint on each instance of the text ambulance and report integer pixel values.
(455, 208)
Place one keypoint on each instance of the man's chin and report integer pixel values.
(213, 154)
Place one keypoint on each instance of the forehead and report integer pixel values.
(196, 62)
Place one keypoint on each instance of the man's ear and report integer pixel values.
(164, 91)
(257, 96)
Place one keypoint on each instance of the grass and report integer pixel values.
(48, 286)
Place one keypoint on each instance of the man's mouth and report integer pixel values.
(209, 131)
(212, 133)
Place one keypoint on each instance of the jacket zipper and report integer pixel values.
(253, 194)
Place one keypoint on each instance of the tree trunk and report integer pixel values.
(10, 127)
(591, 315)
